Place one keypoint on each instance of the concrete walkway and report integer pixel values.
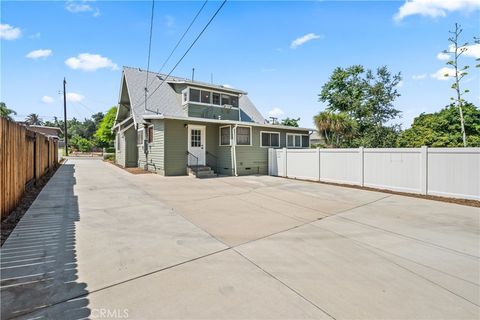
(102, 243)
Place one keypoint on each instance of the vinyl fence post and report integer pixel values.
(424, 170)
(285, 163)
(362, 166)
(318, 166)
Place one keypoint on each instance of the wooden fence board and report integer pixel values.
(24, 155)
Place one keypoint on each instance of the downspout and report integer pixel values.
(234, 150)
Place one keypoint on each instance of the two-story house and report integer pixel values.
(189, 124)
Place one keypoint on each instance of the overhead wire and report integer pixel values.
(187, 51)
(147, 85)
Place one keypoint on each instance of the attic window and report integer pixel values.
(194, 95)
(216, 98)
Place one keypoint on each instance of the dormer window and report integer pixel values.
(198, 96)
(194, 95)
(206, 96)
(216, 98)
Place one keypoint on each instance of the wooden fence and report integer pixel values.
(25, 156)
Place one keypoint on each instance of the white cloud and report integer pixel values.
(82, 7)
(434, 8)
(440, 74)
(304, 39)
(90, 62)
(419, 76)
(47, 99)
(276, 112)
(443, 56)
(40, 53)
(74, 97)
(472, 50)
(7, 32)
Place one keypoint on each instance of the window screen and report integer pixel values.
(270, 139)
(243, 136)
(234, 101)
(150, 134)
(290, 141)
(225, 99)
(216, 98)
(206, 96)
(305, 141)
(139, 137)
(194, 95)
(225, 136)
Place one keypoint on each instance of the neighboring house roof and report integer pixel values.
(316, 136)
(165, 100)
(48, 131)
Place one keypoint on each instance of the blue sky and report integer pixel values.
(250, 45)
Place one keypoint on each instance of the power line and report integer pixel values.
(149, 51)
(183, 36)
(173, 50)
(188, 50)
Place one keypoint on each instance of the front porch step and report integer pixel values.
(201, 171)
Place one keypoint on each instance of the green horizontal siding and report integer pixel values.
(210, 112)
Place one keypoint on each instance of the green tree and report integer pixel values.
(6, 112)
(336, 128)
(290, 122)
(442, 128)
(33, 119)
(367, 97)
(104, 133)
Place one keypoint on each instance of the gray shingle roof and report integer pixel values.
(166, 101)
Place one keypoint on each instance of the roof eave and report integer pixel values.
(231, 122)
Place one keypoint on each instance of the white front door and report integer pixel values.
(196, 145)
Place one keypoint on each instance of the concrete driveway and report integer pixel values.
(102, 243)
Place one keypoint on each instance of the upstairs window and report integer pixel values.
(209, 97)
(194, 95)
(226, 99)
(244, 136)
(205, 96)
(216, 98)
(234, 101)
(270, 139)
(225, 133)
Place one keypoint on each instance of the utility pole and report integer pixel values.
(65, 116)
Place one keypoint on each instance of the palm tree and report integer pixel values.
(335, 127)
(5, 112)
(33, 119)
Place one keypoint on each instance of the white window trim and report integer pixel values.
(143, 135)
(251, 138)
(261, 142)
(220, 136)
(301, 140)
(184, 102)
(211, 98)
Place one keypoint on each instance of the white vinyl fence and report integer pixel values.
(448, 172)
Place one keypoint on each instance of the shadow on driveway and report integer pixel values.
(39, 259)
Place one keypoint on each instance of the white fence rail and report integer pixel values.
(448, 172)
